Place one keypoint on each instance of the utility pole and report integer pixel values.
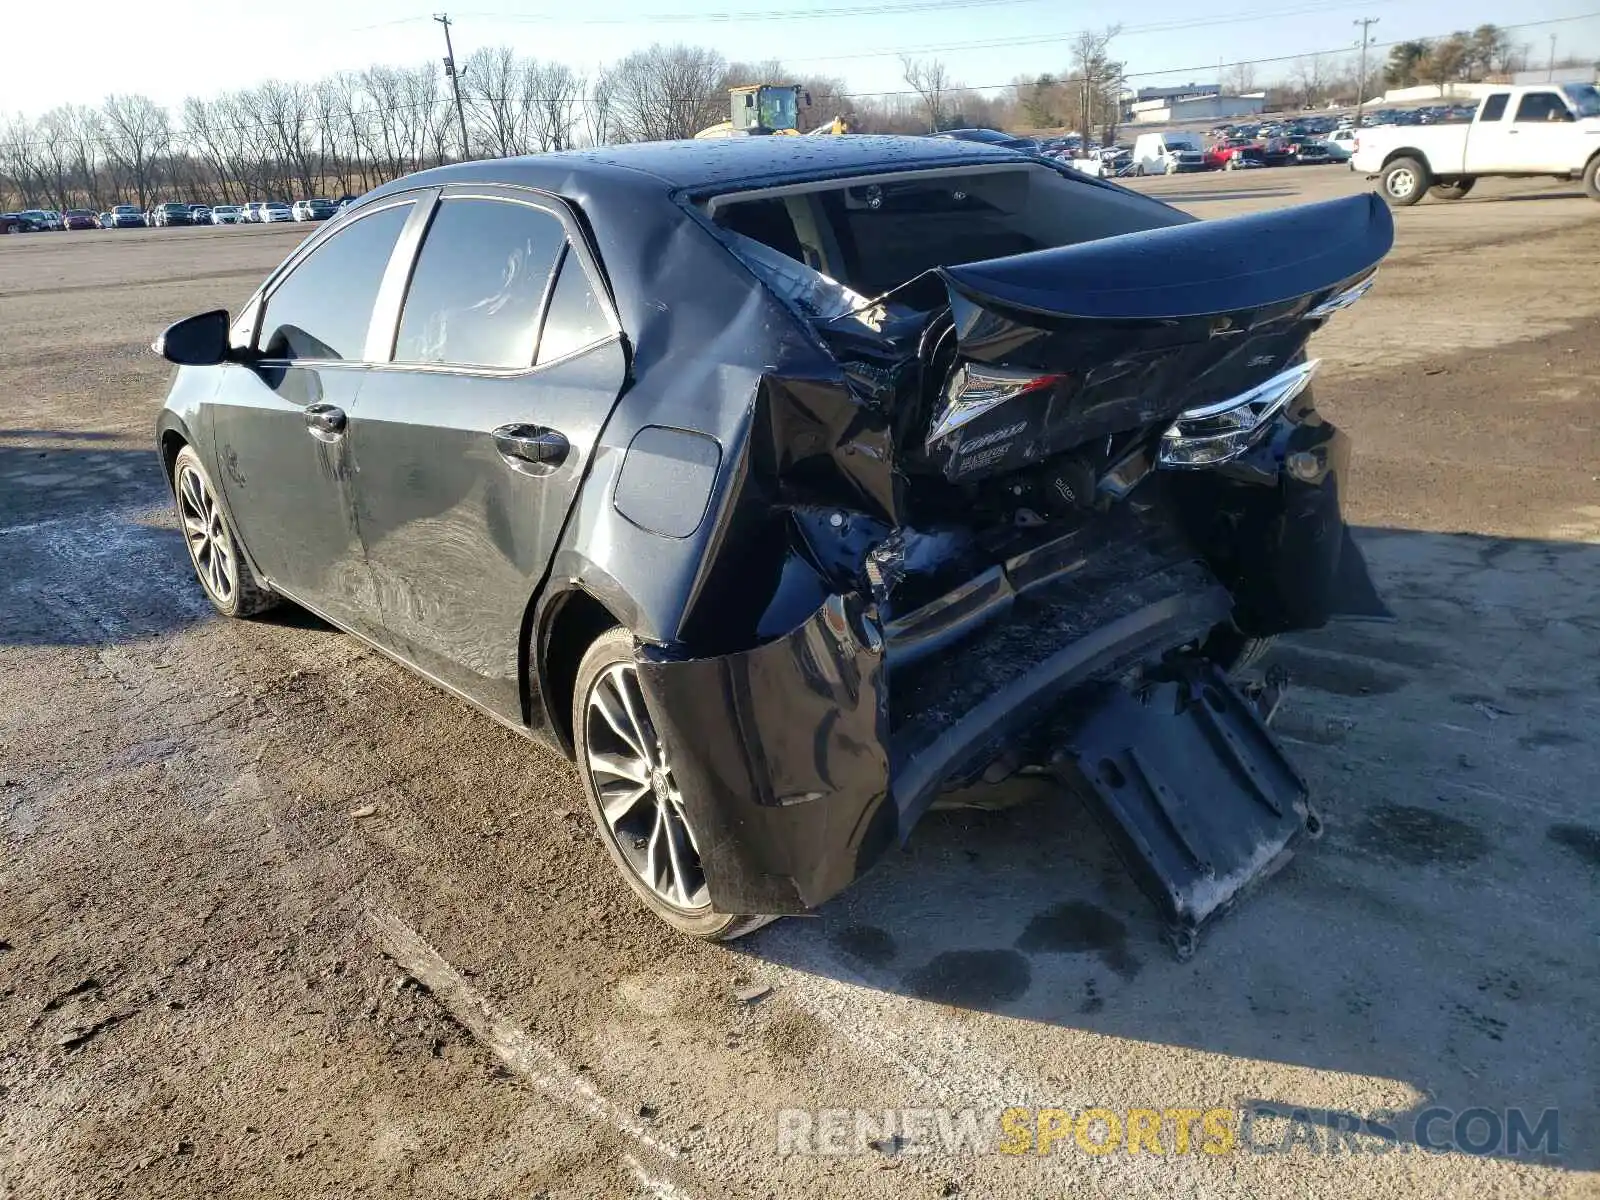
(455, 81)
(1551, 74)
(1366, 24)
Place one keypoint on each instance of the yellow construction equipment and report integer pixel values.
(762, 109)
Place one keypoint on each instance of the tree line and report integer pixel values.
(355, 130)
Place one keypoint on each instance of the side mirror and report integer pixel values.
(198, 341)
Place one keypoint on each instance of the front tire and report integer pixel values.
(1591, 178)
(224, 575)
(1404, 182)
(634, 797)
(1452, 191)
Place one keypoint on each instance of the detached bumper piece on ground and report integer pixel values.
(805, 488)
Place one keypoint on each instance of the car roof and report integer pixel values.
(710, 164)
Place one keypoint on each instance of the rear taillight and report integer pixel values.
(973, 391)
(1216, 433)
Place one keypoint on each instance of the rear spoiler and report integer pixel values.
(1196, 269)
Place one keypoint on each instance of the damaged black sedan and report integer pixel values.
(789, 486)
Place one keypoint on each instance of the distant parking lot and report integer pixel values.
(277, 918)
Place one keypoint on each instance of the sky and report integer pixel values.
(169, 53)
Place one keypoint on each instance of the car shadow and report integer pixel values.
(1566, 194)
(88, 543)
(1427, 938)
(91, 552)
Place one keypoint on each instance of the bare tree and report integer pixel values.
(931, 82)
(666, 92)
(139, 133)
(1240, 79)
(598, 111)
(1309, 83)
(557, 93)
(497, 88)
(1099, 81)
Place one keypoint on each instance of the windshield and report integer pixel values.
(225, 208)
(1584, 97)
(125, 208)
(1180, 142)
(276, 206)
(777, 108)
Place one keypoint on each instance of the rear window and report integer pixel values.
(873, 234)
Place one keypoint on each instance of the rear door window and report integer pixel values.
(1542, 106)
(575, 318)
(322, 309)
(479, 285)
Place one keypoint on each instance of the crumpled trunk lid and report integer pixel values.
(1050, 350)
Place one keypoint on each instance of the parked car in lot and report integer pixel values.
(199, 214)
(80, 218)
(251, 213)
(274, 210)
(126, 216)
(1233, 154)
(1532, 130)
(173, 213)
(1167, 154)
(226, 214)
(1341, 144)
(1312, 152)
(106, 221)
(313, 210)
(774, 563)
(19, 222)
(42, 220)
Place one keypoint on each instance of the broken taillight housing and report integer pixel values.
(1216, 433)
(974, 390)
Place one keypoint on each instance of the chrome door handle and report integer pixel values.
(531, 445)
(325, 421)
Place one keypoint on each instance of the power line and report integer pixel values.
(1045, 39)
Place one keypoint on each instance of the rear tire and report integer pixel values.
(646, 833)
(1404, 182)
(1452, 191)
(1591, 178)
(224, 574)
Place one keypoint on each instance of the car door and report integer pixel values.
(1543, 127)
(469, 447)
(1534, 137)
(281, 416)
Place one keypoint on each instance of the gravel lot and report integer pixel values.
(216, 981)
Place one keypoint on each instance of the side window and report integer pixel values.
(1494, 107)
(322, 309)
(575, 318)
(1542, 106)
(479, 282)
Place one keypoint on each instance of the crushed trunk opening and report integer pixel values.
(1031, 521)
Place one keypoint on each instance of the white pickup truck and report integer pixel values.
(1549, 129)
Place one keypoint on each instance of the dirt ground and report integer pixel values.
(217, 980)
